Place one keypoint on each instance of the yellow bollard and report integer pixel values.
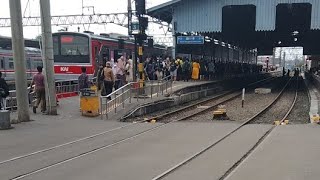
(277, 123)
(286, 122)
(315, 118)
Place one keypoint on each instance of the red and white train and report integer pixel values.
(74, 50)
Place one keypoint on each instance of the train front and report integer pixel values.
(71, 52)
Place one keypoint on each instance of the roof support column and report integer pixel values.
(174, 39)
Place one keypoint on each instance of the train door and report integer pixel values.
(105, 55)
(117, 54)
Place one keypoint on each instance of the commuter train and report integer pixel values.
(33, 59)
(74, 50)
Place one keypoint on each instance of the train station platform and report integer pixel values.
(47, 131)
(289, 152)
(313, 84)
(71, 146)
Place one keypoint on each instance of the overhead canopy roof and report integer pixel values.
(163, 11)
(247, 24)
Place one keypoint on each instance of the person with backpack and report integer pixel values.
(83, 79)
(4, 90)
(173, 70)
(109, 79)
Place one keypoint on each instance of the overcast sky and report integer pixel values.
(70, 7)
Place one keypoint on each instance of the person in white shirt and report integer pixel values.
(120, 71)
(129, 69)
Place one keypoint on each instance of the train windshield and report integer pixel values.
(70, 48)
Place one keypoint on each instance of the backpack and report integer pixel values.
(173, 67)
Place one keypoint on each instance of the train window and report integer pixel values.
(37, 63)
(11, 66)
(55, 45)
(74, 45)
(28, 65)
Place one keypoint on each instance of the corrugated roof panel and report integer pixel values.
(206, 15)
(315, 17)
(200, 16)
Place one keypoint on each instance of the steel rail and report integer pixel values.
(187, 160)
(99, 148)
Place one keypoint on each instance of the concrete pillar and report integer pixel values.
(19, 61)
(47, 57)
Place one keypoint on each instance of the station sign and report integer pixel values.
(135, 28)
(190, 40)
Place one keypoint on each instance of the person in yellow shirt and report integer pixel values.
(195, 70)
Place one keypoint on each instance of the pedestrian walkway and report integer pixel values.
(47, 131)
(314, 96)
(289, 152)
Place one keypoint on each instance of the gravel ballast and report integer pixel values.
(253, 104)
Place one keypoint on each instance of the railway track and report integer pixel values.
(251, 120)
(199, 107)
(98, 147)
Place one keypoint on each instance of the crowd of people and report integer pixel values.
(185, 69)
(115, 74)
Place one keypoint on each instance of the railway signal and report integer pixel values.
(137, 27)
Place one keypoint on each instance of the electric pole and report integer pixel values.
(138, 29)
(47, 57)
(19, 61)
(134, 54)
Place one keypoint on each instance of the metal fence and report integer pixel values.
(64, 88)
(133, 92)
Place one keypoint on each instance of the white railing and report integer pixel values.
(125, 95)
(63, 88)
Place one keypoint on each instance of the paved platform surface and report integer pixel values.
(288, 153)
(213, 163)
(314, 96)
(141, 158)
(47, 131)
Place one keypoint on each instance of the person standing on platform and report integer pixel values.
(83, 79)
(186, 68)
(108, 79)
(173, 70)
(129, 70)
(4, 90)
(211, 70)
(120, 71)
(179, 63)
(38, 82)
(100, 78)
(115, 70)
(195, 70)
